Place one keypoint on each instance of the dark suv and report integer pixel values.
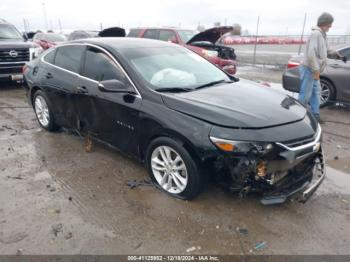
(15, 51)
(205, 43)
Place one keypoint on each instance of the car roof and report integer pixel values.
(162, 28)
(125, 42)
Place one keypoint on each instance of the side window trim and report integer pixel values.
(103, 50)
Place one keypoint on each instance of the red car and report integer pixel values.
(205, 43)
(47, 40)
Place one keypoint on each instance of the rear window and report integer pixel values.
(69, 57)
(167, 35)
(134, 33)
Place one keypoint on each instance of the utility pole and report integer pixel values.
(302, 35)
(25, 25)
(45, 16)
(256, 40)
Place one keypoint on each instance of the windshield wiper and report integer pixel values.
(174, 89)
(213, 83)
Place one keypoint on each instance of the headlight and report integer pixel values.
(35, 52)
(242, 147)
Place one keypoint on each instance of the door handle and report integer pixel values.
(49, 76)
(82, 90)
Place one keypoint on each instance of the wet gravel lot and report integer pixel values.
(56, 198)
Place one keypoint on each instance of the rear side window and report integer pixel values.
(166, 35)
(69, 57)
(50, 57)
(99, 66)
(151, 34)
(134, 33)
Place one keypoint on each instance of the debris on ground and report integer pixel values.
(191, 249)
(260, 245)
(217, 227)
(13, 238)
(19, 252)
(110, 234)
(339, 146)
(70, 198)
(88, 144)
(242, 231)
(56, 229)
(134, 183)
(336, 157)
(15, 177)
(138, 245)
(68, 235)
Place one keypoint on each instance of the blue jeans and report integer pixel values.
(310, 90)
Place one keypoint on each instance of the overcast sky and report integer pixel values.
(276, 17)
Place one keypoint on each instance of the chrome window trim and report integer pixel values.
(117, 64)
(9, 63)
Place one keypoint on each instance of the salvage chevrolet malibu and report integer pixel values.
(185, 118)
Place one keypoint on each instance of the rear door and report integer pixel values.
(59, 78)
(111, 117)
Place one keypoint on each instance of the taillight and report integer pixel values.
(24, 69)
(292, 64)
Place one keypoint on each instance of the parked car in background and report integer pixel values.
(335, 80)
(47, 40)
(15, 51)
(81, 34)
(182, 116)
(205, 43)
(112, 32)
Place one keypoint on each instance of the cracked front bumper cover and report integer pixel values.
(299, 191)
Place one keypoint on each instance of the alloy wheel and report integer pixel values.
(325, 93)
(42, 110)
(169, 169)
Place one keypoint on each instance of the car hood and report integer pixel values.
(14, 43)
(242, 104)
(112, 32)
(211, 35)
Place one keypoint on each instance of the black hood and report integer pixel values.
(211, 35)
(243, 104)
(112, 32)
(16, 43)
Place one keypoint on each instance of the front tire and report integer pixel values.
(172, 169)
(43, 111)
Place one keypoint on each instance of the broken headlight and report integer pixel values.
(242, 147)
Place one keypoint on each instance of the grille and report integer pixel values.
(22, 55)
(301, 142)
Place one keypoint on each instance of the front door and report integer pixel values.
(109, 116)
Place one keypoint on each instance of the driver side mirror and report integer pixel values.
(114, 86)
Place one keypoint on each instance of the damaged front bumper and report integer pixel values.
(300, 191)
(280, 171)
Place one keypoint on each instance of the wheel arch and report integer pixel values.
(332, 83)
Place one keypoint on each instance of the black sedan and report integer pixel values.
(186, 119)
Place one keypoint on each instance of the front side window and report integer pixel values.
(346, 52)
(172, 67)
(99, 66)
(69, 57)
(167, 35)
(151, 34)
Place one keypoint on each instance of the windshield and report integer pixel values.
(186, 35)
(172, 67)
(55, 37)
(9, 32)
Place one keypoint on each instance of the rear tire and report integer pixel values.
(43, 111)
(172, 169)
(327, 92)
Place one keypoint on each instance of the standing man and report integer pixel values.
(315, 58)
